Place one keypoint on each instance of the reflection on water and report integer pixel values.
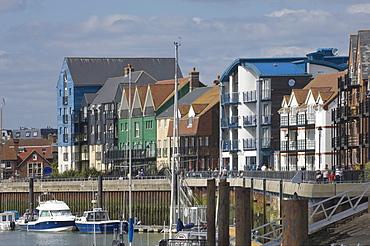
(23, 238)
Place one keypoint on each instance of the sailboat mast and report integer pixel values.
(130, 157)
(174, 167)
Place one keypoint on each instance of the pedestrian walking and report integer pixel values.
(325, 174)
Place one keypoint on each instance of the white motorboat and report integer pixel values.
(49, 215)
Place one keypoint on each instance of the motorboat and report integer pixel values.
(98, 221)
(50, 215)
(7, 221)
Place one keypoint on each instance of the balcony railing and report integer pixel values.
(230, 145)
(249, 120)
(230, 122)
(249, 96)
(230, 98)
(249, 144)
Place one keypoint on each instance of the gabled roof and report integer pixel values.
(160, 92)
(8, 154)
(141, 92)
(326, 95)
(316, 90)
(185, 100)
(300, 95)
(90, 71)
(326, 80)
(26, 156)
(32, 142)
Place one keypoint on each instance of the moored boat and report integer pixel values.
(7, 221)
(50, 215)
(98, 221)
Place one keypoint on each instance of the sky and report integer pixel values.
(36, 35)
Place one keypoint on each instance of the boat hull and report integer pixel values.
(98, 227)
(54, 226)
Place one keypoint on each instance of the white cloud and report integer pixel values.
(286, 12)
(197, 20)
(359, 8)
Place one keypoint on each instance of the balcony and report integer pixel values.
(266, 120)
(249, 144)
(230, 122)
(353, 111)
(230, 98)
(249, 96)
(249, 120)
(75, 118)
(79, 137)
(230, 145)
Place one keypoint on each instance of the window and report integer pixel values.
(206, 141)
(137, 129)
(165, 148)
(149, 124)
(200, 141)
(34, 169)
(28, 134)
(159, 148)
(17, 134)
(35, 134)
(190, 122)
(34, 157)
(65, 156)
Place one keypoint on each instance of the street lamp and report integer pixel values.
(287, 149)
(319, 129)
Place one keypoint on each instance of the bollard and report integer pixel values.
(243, 219)
(223, 213)
(295, 222)
(211, 212)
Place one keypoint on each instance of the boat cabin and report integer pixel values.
(96, 215)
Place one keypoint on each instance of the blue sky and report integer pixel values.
(36, 35)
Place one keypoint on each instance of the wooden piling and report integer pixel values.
(211, 212)
(243, 221)
(223, 213)
(295, 222)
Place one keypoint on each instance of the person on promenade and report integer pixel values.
(263, 168)
(338, 174)
(331, 177)
(318, 176)
(325, 174)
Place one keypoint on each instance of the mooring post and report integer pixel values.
(100, 191)
(211, 212)
(243, 216)
(32, 196)
(223, 213)
(295, 222)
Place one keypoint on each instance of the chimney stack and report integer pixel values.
(193, 79)
(16, 145)
(127, 69)
(217, 81)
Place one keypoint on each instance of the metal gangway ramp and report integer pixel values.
(355, 199)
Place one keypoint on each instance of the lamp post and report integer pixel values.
(287, 149)
(319, 129)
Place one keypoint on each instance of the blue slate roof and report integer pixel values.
(294, 65)
(275, 68)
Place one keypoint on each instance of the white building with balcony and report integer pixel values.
(251, 92)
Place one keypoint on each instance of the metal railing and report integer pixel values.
(327, 214)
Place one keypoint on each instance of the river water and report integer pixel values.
(24, 238)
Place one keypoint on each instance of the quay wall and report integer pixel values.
(151, 197)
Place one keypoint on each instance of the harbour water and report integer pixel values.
(23, 238)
